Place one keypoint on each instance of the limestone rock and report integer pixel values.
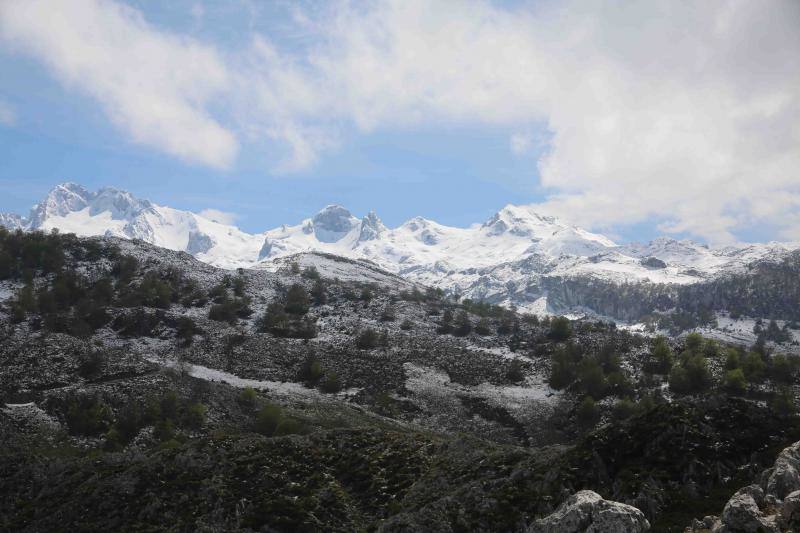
(742, 511)
(587, 511)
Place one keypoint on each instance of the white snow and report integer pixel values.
(282, 388)
(481, 261)
(430, 381)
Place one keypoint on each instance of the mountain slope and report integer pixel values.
(517, 257)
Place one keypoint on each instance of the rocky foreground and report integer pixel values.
(770, 505)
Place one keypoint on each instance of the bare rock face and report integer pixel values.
(586, 511)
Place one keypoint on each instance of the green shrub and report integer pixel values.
(661, 358)
(560, 329)
(330, 383)
(87, 415)
(311, 272)
(591, 378)
(368, 339)
(753, 367)
(693, 342)
(483, 327)
(297, 300)
(734, 381)
(691, 375)
(514, 373)
(366, 295)
(288, 426)
(186, 329)
(784, 368)
(164, 430)
(319, 293)
(782, 403)
(389, 314)
(446, 325)
(248, 398)
(587, 413)
(463, 326)
(91, 364)
(267, 419)
(625, 408)
(310, 371)
(194, 416)
(563, 370)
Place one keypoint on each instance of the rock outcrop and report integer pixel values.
(586, 511)
(772, 505)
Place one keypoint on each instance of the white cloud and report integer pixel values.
(521, 143)
(153, 85)
(222, 217)
(683, 112)
(7, 115)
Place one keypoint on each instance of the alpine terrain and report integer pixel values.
(516, 258)
(338, 375)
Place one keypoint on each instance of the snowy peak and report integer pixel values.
(504, 259)
(12, 221)
(121, 204)
(67, 198)
(521, 221)
(62, 200)
(333, 223)
(371, 228)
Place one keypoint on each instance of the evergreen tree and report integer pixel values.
(297, 300)
(560, 329)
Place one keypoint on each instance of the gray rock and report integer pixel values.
(653, 262)
(742, 512)
(587, 511)
(790, 511)
(198, 243)
(783, 478)
(266, 249)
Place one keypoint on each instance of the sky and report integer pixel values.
(635, 119)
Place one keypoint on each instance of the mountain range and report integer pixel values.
(517, 257)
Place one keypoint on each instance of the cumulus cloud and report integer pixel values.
(222, 217)
(7, 115)
(153, 85)
(683, 112)
(686, 112)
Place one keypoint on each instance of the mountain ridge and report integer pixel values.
(506, 259)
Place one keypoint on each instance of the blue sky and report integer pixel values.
(457, 175)
(271, 110)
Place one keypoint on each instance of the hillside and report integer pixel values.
(330, 393)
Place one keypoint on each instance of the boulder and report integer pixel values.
(790, 511)
(742, 512)
(587, 511)
(783, 478)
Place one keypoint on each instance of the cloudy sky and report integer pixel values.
(633, 118)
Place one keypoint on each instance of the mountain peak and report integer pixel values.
(518, 220)
(371, 227)
(332, 223)
(62, 199)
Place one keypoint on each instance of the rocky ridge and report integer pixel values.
(517, 257)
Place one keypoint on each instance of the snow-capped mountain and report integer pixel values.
(511, 258)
